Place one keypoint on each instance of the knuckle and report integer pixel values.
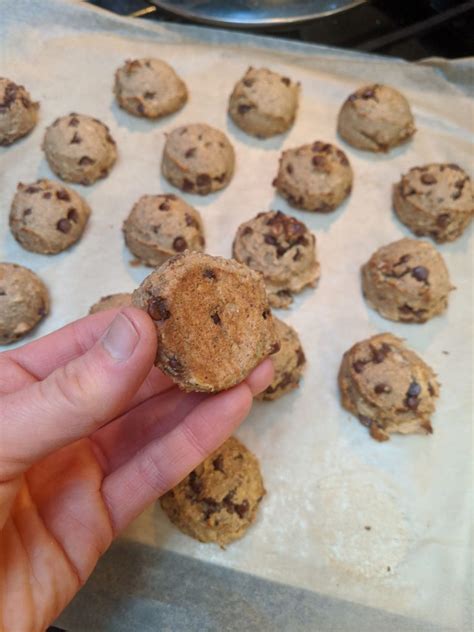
(153, 474)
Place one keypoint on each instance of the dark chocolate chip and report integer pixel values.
(420, 273)
(190, 152)
(442, 220)
(414, 389)
(62, 194)
(247, 231)
(276, 346)
(248, 83)
(203, 180)
(175, 365)
(32, 189)
(368, 93)
(358, 366)
(42, 311)
(209, 274)
(158, 308)
(140, 108)
(64, 225)
(2, 292)
(72, 215)
(190, 221)
(318, 161)
(428, 178)
(221, 178)
(218, 463)
(164, 206)
(266, 313)
(431, 389)
(180, 244)
(194, 483)
(366, 421)
(73, 121)
(47, 195)
(26, 212)
(76, 139)
(381, 387)
(297, 256)
(301, 358)
(26, 102)
(412, 402)
(216, 318)
(270, 239)
(286, 81)
(188, 185)
(149, 95)
(289, 168)
(242, 509)
(243, 108)
(86, 161)
(321, 147)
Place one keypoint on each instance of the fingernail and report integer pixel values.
(120, 339)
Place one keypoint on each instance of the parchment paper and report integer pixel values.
(327, 481)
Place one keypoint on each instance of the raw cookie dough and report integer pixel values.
(218, 501)
(79, 148)
(388, 387)
(24, 301)
(289, 363)
(283, 250)
(198, 159)
(316, 177)
(264, 103)
(18, 113)
(376, 118)
(212, 317)
(407, 280)
(47, 217)
(112, 301)
(159, 226)
(149, 87)
(435, 200)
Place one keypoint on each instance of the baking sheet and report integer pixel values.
(326, 479)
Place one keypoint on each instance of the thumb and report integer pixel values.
(79, 397)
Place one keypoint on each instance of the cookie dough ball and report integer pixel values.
(79, 148)
(289, 363)
(47, 217)
(159, 226)
(315, 177)
(388, 387)
(212, 317)
(264, 103)
(218, 501)
(24, 302)
(150, 88)
(283, 250)
(112, 301)
(407, 280)
(376, 118)
(436, 200)
(18, 113)
(198, 159)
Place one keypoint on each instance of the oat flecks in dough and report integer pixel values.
(436, 200)
(376, 118)
(388, 387)
(160, 226)
(212, 317)
(264, 103)
(407, 281)
(283, 250)
(219, 500)
(24, 301)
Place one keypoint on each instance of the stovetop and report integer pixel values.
(411, 30)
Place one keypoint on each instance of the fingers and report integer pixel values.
(165, 461)
(79, 397)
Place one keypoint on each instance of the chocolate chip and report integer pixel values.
(266, 313)
(2, 292)
(76, 139)
(428, 178)
(318, 161)
(243, 108)
(403, 259)
(321, 147)
(42, 311)
(180, 244)
(164, 206)
(218, 463)
(289, 168)
(149, 95)
(358, 366)
(203, 180)
(72, 215)
(190, 221)
(297, 256)
(216, 318)
(284, 293)
(183, 131)
(365, 421)
(73, 121)
(286, 81)
(242, 509)
(281, 251)
(248, 83)
(270, 239)
(47, 195)
(414, 389)
(194, 483)
(26, 212)
(140, 108)
(420, 273)
(342, 157)
(300, 357)
(157, 308)
(109, 139)
(442, 220)
(247, 231)
(26, 102)
(188, 185)
(62, 194)
(209, 274)
(85, 161)
(190, 153)
(175, 365)
(276, 346)
(64, 225)
(368, 93)
(431, 390)
(221, 178)
(381, 387)
(32, 189)
(412, 402)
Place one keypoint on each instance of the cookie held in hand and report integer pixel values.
(218, 501)
(212, 317)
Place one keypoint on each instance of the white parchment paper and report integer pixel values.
(387, 525)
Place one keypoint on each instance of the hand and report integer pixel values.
(90, 434)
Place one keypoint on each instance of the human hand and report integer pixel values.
(90, 434)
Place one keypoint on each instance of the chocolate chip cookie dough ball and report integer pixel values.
(112, 301)
(388, 387)
(159, 226)
(289, 363)
(219, 500)
(283, 250)
(47, 217)
(23, 302)
(436, 200)
(198, 159)
(150, 88)
(18, 113)
(315, 177)
(376, 118)
(407, 280)
(212, 317)
(263, 103)
(79, 148)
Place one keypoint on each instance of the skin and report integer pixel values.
(90, 434)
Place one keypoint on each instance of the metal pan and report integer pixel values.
(254, 13)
